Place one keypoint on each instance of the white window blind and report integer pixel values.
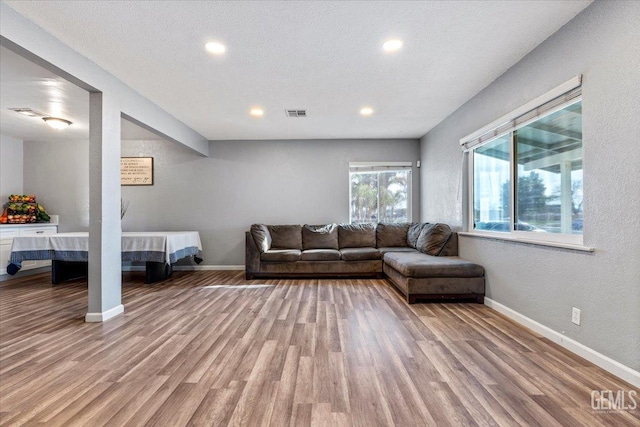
(378, 166)
(556, 99)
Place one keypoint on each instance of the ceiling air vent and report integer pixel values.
(28, 112)
(296, 113)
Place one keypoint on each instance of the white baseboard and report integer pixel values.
(105, 315)
(616, 368)
(188, 267)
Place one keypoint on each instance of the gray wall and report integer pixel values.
(241, 183)
(603, 44)
(246, 182)
(57, 172)
(11, 150)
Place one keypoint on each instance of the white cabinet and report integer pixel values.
(8, 232)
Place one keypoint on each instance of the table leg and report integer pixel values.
(157, 271)
(62, 271)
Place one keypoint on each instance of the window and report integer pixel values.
(525, 173)
(379, 192)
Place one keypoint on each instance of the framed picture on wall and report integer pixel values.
(136, 171)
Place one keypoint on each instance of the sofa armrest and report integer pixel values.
(251, 256)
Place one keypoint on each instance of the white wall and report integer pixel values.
(603, 44)
(11, 169)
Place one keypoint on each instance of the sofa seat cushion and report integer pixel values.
(280, 255)
(360, 254)
(285, 236)
(357, 235)
(392, 235)
(396, 249)
(416, 264)
(320, 255)
(320, 236)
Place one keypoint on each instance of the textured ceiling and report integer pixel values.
(322, 56)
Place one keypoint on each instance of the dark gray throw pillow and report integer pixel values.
(414, 232)
(320, 236)
(262, 237)
(392, 235)
(433, 238)
(357, 235)
(285, 236)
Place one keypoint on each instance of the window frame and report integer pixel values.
(363, 167)
(573, 241)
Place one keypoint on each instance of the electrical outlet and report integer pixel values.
(575, 315)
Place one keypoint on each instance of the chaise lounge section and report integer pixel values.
(420, 259)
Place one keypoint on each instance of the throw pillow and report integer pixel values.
(433, 238)
(262, 237)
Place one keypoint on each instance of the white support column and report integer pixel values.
(565, 197)
(105, 265)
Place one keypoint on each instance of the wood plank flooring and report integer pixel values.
(209, 348)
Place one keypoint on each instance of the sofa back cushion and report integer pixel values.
(285, 236)
(320, 236)
(392, 235)
(433, 238)
(357, 235)
(262, 237)
(414, 232)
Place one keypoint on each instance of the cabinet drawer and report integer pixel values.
(37, 231)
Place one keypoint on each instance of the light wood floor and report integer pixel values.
(209, 348)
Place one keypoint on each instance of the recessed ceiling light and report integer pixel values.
(392, 45)
(57, 122)
(215, 48)
(366, 111)
(256, 112)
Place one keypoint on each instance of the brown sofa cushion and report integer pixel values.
(357, 235)
(360, 254)
(433, 238)
(285, 236)
(414, 232)
(280, 255)
(391, 235)
(416, 264)
(320, 236)
(320, 255)
(262, 237)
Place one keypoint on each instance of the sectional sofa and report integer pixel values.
(420, 259)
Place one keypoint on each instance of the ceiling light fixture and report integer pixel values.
(366, 111)
(57, 123)
(215, 48)
(392, 45)
(256, 112)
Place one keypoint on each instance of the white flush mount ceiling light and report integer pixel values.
(215, 47)
(366, 111)
(57, 123)
(392, 45)
(256, 112)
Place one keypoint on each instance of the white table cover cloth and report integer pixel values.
(156, 246)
